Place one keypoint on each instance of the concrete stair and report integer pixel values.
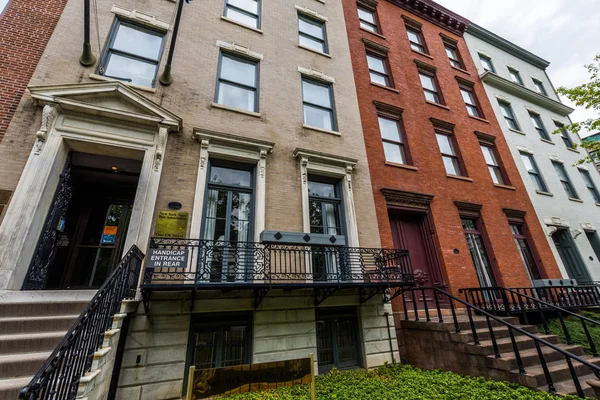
(437, 345)
(31, 326)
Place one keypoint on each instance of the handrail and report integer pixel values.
(569, 357)
(59, 377)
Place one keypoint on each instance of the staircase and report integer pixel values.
(31, 326)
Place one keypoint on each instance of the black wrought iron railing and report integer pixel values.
(451, 301)
(213, 263)
(59, 377)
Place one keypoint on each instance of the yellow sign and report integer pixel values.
(171, 224)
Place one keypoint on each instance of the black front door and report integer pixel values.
(337, 339)
(569, 255)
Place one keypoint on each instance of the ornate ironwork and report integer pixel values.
(45, 250)
(59, 377)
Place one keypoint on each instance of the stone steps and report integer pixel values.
(10, 388)
(12, 325)
(530, 357)
(14, 365)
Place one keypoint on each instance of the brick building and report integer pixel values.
(445, 185)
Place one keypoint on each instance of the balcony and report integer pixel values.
(191, 264)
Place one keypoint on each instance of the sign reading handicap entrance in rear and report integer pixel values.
(167, 258)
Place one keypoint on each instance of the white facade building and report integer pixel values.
(565, 196)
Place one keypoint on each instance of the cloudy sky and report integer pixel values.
(2, 4)
(564, 32)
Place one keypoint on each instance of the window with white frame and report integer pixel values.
(378, 69)
(368, 19)
(533, 171)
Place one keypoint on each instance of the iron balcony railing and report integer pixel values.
(217, 263)
(59, 377)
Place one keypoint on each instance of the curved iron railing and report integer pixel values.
(512, 329)
(59, 377)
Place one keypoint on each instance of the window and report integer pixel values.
(368, 19)
(539, 125)
(522, 241)
(565, 180)
(415, 37)
(453, 56)
(508, 115)
(312, 33)
(564, 135)
(393, 140)
(594, 242)
(449, 154)
(532, 170)
(473, 233)
(589, 183)
(246, 12)
(471, 102)
(489, 154)
(337, 339)
(539, 87)
(486, 62)
(325, 204)
(317, 99)
(132, 54)
(430, 87)
(378, 70)
(237, 85)
(515, 76)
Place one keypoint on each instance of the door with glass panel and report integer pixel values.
(337, 339)
(479, 254)
(325, 204)
(220, 344)
(227, 253)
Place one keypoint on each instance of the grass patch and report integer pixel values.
(576, 331)
(401, 382)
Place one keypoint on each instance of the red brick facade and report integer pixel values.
(427, 174)
(25, 28)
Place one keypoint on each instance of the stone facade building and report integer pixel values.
(565, 196)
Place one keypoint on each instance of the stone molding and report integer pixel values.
(407, 199)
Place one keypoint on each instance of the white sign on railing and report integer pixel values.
(167, 258)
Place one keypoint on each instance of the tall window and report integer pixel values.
(564, 135)
(430, 87)
(565, 180)
(515, 76)
(486, 63)
(539, 87)
(471, 101)
(325, 206)
(132, 54)
(378, 70)
(534, 173)
(449, 154)
(415, 37)
(246, 12)
(312, 33)
(489, 153)
(539, 126)
(393, 140)
(368, 19)
(453, 56)
(318, 104)
(589, 183)
(522, 241)
(474, 235)
(237, 85)
(508, 115)
(220, 344)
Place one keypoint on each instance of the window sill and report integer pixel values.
(480, 119)
(437, 105)
(403, 166)
(379, 35)
(573, 150)
(575, 200)
(547, 141)
(314, 51)
(237, 110)
(97, 77)
(385, 87)
(544, 193)
(504, 186)
(460, 69)
(314, 128)
(224, 18)
(517, 131)
(422, 54)
(460, 178)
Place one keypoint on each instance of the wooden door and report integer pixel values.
(569, 254)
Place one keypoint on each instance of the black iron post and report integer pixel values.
(166, 78)
(87, 58)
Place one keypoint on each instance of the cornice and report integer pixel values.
(509, 47)
(435, 13)
(407, 199)
(515, 89)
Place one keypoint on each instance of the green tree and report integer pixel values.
(586, 95)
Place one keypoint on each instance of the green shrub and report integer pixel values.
(576, 331)
(401, 382)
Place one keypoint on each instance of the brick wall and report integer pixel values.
(430, 176)
(26, 27)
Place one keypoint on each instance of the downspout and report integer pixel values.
(87, 59)
(166, 78)
(387, 321)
